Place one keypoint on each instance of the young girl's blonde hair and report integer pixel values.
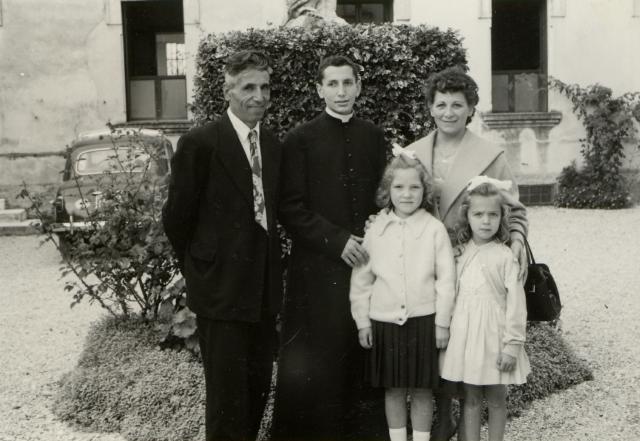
(400, 162)
(463, 229)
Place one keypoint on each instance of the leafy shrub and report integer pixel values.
(396, 60)
(124, 261)
(609, 122)
(554, 367)
(125, 383)
(123, 258)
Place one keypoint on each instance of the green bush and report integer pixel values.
(123, 260)
(609, 122)
(554, 367)
(396, 60)
(125, 383)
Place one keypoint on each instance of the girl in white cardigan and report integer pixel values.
(402, 299)
(488, 327)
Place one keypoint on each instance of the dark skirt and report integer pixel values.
(404, 356)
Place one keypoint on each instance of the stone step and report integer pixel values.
(20, 228)
(13, 214)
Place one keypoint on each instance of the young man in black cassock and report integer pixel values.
(331, 167)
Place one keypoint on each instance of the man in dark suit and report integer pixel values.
(220, 219)
(331, 167)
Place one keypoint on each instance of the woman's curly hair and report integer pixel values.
(452, 80)
(401, 162)
(463, 229)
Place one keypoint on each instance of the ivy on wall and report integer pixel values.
(609, 122)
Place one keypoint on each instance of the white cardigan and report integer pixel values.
(410, 273)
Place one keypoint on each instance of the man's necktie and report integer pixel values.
(258, 192)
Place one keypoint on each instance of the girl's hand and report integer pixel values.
(506, 362)
(442, 337)
(365, 336)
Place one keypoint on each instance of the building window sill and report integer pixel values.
(519, 120)
(168, 127)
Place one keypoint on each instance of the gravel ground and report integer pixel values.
(41, 338)
(594, 255)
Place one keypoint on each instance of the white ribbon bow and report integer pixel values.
(397, 151)
(479, 180)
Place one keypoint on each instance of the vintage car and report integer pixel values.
(105, 158)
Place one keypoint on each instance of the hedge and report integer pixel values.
(396, 60)
(124, 383)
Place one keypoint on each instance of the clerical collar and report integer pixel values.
(343, 118)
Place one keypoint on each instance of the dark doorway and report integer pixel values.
(154, 60)
(519, 56)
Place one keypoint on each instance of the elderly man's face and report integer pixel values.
(249, 94)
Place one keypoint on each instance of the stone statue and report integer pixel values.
(312, 13)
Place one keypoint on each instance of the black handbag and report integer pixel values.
(543, 298)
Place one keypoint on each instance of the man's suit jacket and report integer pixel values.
(230, 265)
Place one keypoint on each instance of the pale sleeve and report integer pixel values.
(445, 276)
(518, 222)
(362, 279)
(516, 311)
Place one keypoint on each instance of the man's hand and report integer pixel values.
(520, 252)
(506, 363)
(442, 337)
(369, 221)
(354, 253)
(365, 336)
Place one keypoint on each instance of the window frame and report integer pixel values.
(541, 72)
(387, 6)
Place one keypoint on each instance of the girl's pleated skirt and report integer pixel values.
(404, 356)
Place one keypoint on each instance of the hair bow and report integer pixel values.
(397, 151)
(479, 180)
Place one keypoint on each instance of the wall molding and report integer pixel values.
(402, 10)
(517, 120)
(484, 9)
(19, 155)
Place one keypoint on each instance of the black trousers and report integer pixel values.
(238, 360)
(320, 395)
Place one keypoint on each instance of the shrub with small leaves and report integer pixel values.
(125, 383)
(395, 60)
(554, 367)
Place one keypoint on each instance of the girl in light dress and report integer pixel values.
(488, 326)
(402, 299)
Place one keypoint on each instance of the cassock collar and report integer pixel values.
(343, 118)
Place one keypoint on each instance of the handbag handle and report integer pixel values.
(530, 258)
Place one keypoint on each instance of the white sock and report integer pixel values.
(421, 436)
(398, 434)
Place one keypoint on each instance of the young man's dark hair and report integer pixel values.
(337, 61)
